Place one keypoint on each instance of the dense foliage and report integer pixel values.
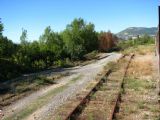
(79, 38)
(107, 41)
(78, 41)
(143, 40)
(52, 49)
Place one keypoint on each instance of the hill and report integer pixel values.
(133, 32)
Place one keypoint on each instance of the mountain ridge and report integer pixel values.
(132, 32)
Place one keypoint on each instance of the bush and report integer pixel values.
(91, 55)
(9, 70)
(144, 40)
(107, 41)
(39, 64)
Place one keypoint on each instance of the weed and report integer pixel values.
(139, 49)
(112, 65)
(93, 96)
(91, 55)
(58, 118)
(76, 78)
(138, 85)
(141, 105)
(90, 116)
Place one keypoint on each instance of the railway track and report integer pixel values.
(100, 99)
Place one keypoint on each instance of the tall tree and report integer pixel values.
(1, 27)
(107, 41)
(23, 37)
(52, 41)
(79, 38)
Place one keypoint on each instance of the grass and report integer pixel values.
(138, 85)
(141, 105)
(76, 78)
(111, 65)
(91, 55)
(41, 101)
(43, 81)
(58, 118)
(90, 116)
(93, 96)
(130, 110)
(140, 68)
(140, 49)
(18, 87)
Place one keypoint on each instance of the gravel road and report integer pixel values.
(29, 108)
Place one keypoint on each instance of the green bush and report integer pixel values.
(39, 64)
(144, 40)
(91, 55)
(9, 70)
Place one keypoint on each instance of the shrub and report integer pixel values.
(107, 41)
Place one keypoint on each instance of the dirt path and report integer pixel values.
(41, 104)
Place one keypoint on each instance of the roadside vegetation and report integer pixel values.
(77, 44)
(78, 41)
(141, 45)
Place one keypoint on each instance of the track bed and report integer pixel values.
(99, 100)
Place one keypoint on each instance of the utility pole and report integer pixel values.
(158, 49)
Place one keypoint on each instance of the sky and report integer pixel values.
(113, 15)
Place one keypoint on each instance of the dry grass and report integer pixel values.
(140, 50)
(139, 101)
(141, 66)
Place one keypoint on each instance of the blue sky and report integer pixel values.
(36, 15)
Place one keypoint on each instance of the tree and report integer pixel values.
(23, 37)
(107, 41)
(90, 38)
(7, 47)
(51, 41)
(1, 28)
(79, 38)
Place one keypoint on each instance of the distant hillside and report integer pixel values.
(132, 32)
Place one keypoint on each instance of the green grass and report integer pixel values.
(76, 78)
(138, 85)
(90, 116)
(141, 105)
(129, 110)
(43, 81)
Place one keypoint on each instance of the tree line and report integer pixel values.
(139, 40)
(51, 49)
